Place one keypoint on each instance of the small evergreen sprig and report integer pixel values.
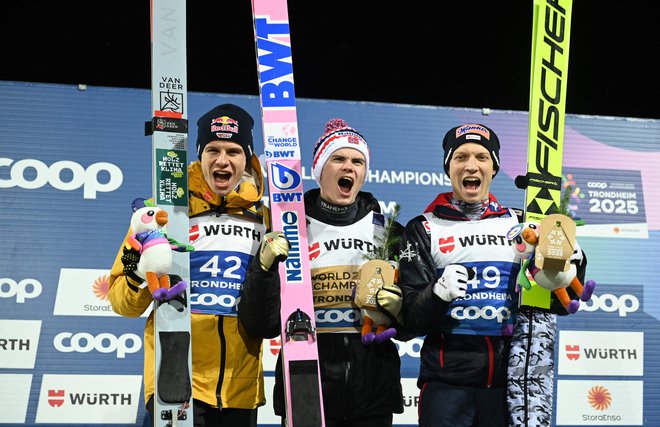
(564, 205)
(387, 243)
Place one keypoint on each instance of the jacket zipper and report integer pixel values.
(442, 351)
(223, 356)
(491, 362)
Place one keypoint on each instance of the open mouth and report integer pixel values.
(345, 184)
(221, 177)
(471, 183)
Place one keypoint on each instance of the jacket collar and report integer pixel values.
(443, 208)
(244, 200)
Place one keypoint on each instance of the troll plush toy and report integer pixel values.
(524, 241)
(148, 236)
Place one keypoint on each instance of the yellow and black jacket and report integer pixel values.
(226, 350)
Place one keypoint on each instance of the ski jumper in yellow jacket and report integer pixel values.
(227, 369)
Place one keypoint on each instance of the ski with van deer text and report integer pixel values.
(169, 129)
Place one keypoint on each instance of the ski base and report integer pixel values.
(174, 384)
(305, 396)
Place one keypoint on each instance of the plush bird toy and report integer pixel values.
(148, 227)
(524, 241)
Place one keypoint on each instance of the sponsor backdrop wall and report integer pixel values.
(73, 158)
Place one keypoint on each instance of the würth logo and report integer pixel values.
(314, 251)
(55, 398)
(446, 244)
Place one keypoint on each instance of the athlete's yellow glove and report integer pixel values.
(389, 300)
(274, 249)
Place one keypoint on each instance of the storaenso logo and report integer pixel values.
(552, 79)
(83, 342)
(25, 289)
(487, 313)
(64, 175)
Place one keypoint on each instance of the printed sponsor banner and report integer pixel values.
(611, 202)
(89, 399)
(19, 341)
(410, 402)
(19, 291)
(601, 353)
(619, 304)
(266, 414)
(15, 396)
(597, 402)
(271, 350)
(84, 292)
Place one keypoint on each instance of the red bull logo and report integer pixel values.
(224, 124)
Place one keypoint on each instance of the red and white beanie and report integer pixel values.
(337, 135)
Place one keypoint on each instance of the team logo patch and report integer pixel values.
(427, 227)
(514, 231)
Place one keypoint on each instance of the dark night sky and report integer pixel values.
(352, 50)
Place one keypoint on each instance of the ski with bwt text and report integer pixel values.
(543, 184)
(169, 130)
(304, 405)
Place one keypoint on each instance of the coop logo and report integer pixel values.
(487, 313)
(21, 291)
(210, 300)
(349, 316)
(610, 303)
(63, 175)
(410, 348)
(83, 342)
(597, 184)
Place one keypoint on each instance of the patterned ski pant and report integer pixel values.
(531, 369)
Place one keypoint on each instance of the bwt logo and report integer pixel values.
(284, 178)
(31, 174)
(84, 342)
(25, 289)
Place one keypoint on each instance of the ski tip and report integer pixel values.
(522, 181)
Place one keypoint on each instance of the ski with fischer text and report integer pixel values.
(543, 180)
(169, 130)
(530, 383)
(304, 404)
